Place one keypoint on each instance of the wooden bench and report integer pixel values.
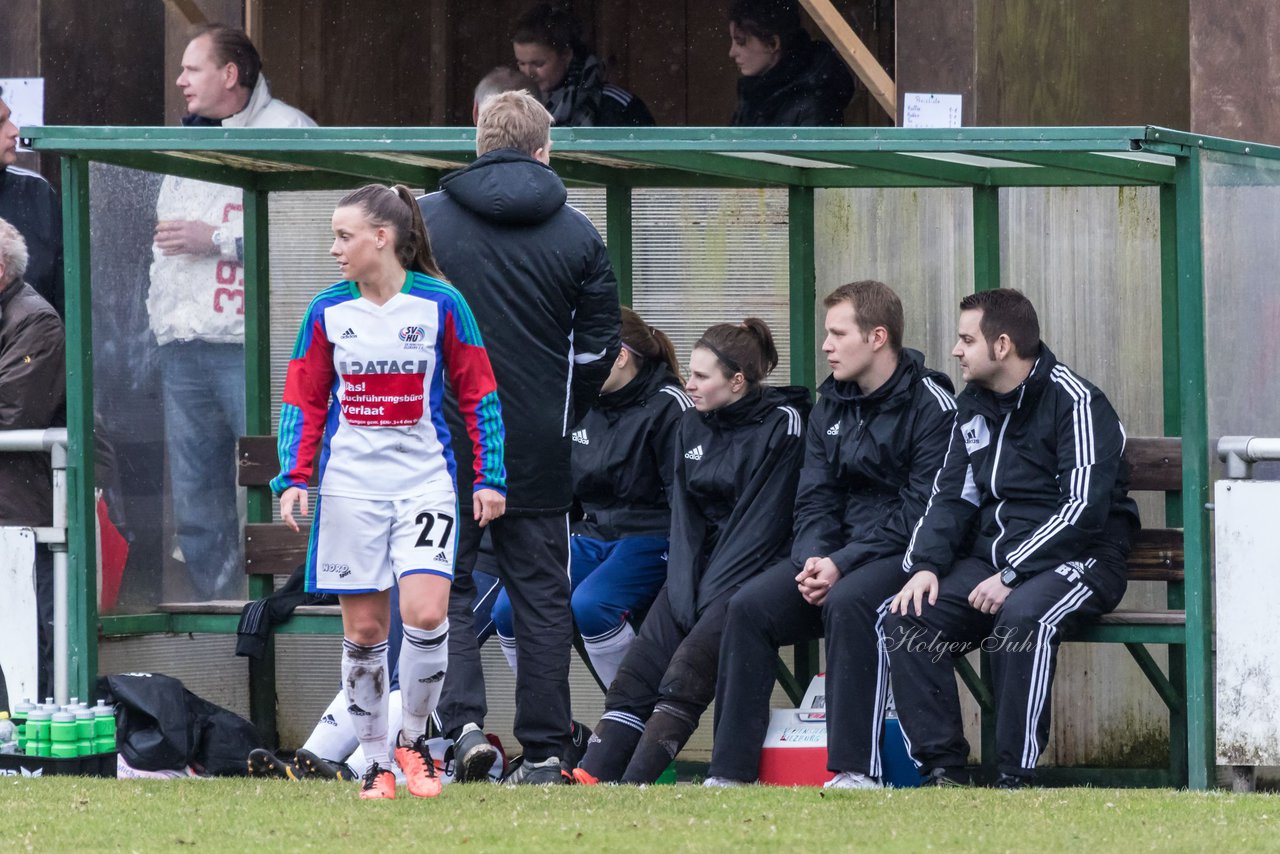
(1157, 555)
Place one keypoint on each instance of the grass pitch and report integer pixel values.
(62, 814)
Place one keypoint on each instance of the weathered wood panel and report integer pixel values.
(937, 51)
(1054, 62)
(1235, 68)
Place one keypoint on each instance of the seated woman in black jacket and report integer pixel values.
(623, 464)
(788, 80)
(548, 47)
(738, 455)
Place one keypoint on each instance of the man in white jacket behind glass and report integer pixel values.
(196, 310)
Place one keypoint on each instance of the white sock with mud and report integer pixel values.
(424, 658)
(366, 684)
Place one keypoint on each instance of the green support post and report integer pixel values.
(986, 238)
(1193, 410)
(257, 378)
(1175, 599)
(617, 206)
(803, 296)
(82, 560)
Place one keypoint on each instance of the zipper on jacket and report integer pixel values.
(995, 468)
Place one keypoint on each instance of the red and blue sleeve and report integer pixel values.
(308, 384)
(471, 377)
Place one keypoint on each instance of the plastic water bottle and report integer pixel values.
(104, 728)
(8, 734)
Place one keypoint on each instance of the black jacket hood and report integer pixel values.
(507, 187)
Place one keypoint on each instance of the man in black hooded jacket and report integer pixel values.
(873, 445)
(1026, 534)
(537, 276)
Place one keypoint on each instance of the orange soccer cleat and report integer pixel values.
(379, 784)
(419, 769)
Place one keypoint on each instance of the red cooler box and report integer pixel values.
(795, 748)
(795, 745)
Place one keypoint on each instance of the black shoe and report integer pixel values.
(547, 772)
(946, 778)
(1013, 781)
(264, 763)
(576, 748)
(307, 764)
(472, 756)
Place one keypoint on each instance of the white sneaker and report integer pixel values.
(852, 780)
(721, 783)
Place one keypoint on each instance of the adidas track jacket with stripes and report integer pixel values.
(1039, 476)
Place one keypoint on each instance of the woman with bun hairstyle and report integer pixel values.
(738, 454)
(623, 464)
(365, 388)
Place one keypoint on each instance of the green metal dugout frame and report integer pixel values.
(261, 161)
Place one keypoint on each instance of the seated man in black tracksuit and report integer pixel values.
(873, 446)
(1025, 535)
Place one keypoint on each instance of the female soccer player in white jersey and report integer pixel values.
(365, 387)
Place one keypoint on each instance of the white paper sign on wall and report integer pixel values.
(25, 97)
(924, 110)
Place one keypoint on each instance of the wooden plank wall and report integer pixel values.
(1051, 62)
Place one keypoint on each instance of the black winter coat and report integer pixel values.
(624, 457)
(870, 460)
(29, 204)
(537, 277)
(1041, 481)
(735, 489)
(809, 87)
(33, 386)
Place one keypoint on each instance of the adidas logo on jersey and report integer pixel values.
(580, 436)
(441, 557)
(349, 334)
(835, 429)
(695, 454)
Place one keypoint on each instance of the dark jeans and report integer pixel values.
(203, 386)
(768, 613)
(1022, 639)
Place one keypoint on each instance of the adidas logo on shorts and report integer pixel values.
(329, 720)
(580, 436)
(441, 557)
(695, 454)
(835, 429)
(349, 334)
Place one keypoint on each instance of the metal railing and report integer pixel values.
(53, 441)
(1241, 452)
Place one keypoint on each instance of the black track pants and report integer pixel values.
(1022, 639)
(768, 613)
